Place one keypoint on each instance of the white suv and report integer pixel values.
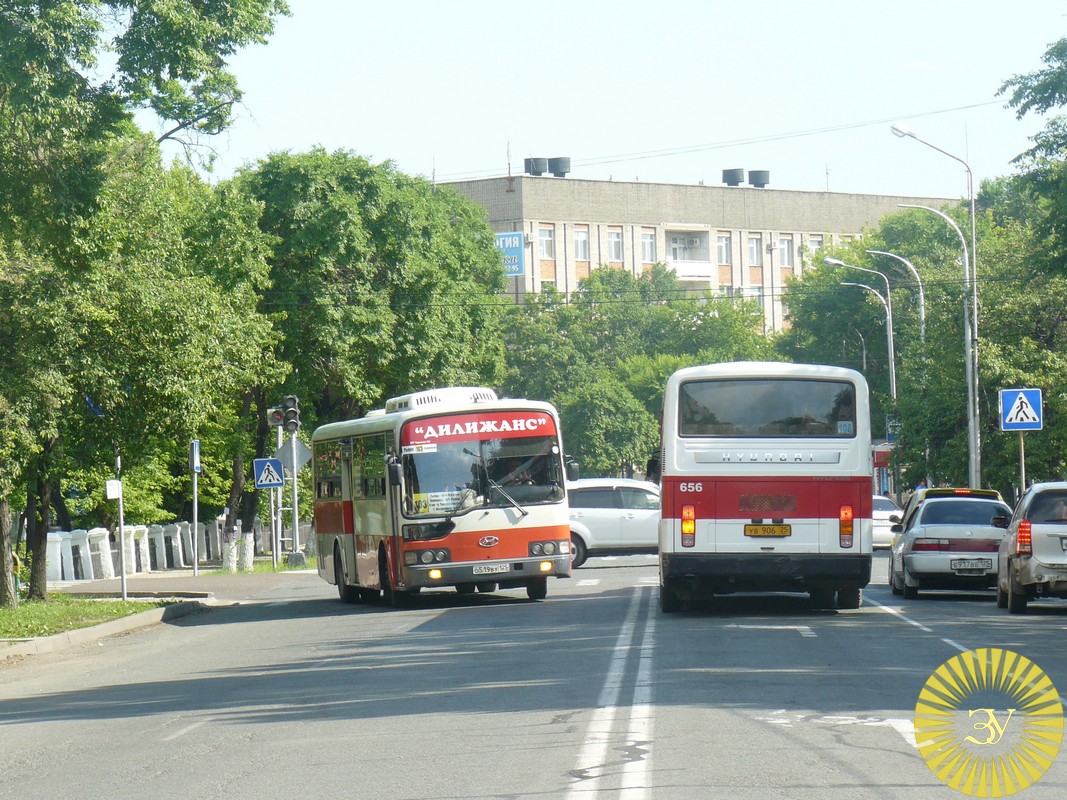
(1033, 552)
(612, 516)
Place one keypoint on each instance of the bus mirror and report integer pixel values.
(652, 470)
(394, 473)
(572, 470)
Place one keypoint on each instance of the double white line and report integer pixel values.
(632, 754)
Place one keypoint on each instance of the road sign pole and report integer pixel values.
(296, 507)
(281, 498)
(1022, 465)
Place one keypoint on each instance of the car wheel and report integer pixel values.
(851, 597)
(537, 589)
(910, 592)
(1002, 596)
(894, 587)
(669, 601)
(578, 551)
(1016, 594)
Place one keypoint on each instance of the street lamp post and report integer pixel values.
(970, 357)
(918, 280)
(888, 334)
(970, 276)
(887, 301)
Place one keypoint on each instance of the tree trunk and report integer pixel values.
(8, 596)
(37, 540)
(237, 488)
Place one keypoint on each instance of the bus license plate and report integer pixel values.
(768, 530)
(490, 569)
(971, 563)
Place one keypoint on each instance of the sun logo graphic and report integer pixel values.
(989, 723)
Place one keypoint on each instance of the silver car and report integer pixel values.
(612, 516)
(948, 542)
(883, 511)
(1033, 553)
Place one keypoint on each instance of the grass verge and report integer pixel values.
(61, 613)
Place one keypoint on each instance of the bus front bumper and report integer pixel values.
(515, 572)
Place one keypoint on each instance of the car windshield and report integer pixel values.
(962, 512)
(1049, 507)
(884, 504)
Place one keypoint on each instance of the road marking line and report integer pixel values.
(635, 772)
(803, 630)
(918, 625)
(181, 732)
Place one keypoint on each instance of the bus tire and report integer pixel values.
(537, 588)
(465, 588)
(849, 597)
(821, 597)
(487, 587)
(669, 601)
(345, 593)
(579, 552)
(383, 577)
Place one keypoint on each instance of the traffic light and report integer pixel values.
(291, 413)
(275, 417)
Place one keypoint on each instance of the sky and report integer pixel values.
(671, 91)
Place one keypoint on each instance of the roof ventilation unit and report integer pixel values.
(759, 177)
(733, 177)
(559, 166)
(536, 166)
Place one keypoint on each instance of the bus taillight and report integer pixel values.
(1024, 540)
(845, 525)
(689, 526)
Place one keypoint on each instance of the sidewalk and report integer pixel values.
(195, 594)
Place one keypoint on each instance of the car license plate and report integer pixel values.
(490, 569)
(768, 530)
(971, 563)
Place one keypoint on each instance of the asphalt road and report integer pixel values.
(592, 693)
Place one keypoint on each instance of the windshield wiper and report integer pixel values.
(493, 484)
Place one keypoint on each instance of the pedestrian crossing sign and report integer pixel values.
(268, 473)
(1020, 410)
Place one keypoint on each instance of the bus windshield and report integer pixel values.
(767, 408)
(462, 470)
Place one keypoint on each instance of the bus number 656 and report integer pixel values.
(690, 487)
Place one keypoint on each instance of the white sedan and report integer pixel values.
(882, 512)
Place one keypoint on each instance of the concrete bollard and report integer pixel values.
(157, 548)
(54, 557)
(173, 539)
(100, 552)
(83, 559)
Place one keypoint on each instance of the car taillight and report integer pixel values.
(1024, 539)
(689, 526)
(845, 525)
(928, 545)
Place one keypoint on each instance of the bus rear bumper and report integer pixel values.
(739, 572)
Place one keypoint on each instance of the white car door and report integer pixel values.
(640, 518)
(597, 509)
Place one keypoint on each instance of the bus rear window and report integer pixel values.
(767, 408)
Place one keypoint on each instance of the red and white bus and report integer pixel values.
(766, 482)
(447, 487)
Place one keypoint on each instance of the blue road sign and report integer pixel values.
(1020, 410)
(268, 473)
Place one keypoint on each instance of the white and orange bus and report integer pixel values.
(442, 488)
(766, 482)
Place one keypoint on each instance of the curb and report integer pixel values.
(62, 641)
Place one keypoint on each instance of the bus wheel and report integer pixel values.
(822, 597)
(578, 551)
(537, 589)
(850, 597)
(486, 587)
(465, 588)
(669, 601)
(346, 593)
(383, 577)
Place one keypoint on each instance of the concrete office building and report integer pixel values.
(737, 240)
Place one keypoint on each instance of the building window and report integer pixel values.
(614, 245)
(755, 250)
(648, 248)
(815, 242)
(581, 244)
(723, 248)
(785, 250)
(547, 239)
